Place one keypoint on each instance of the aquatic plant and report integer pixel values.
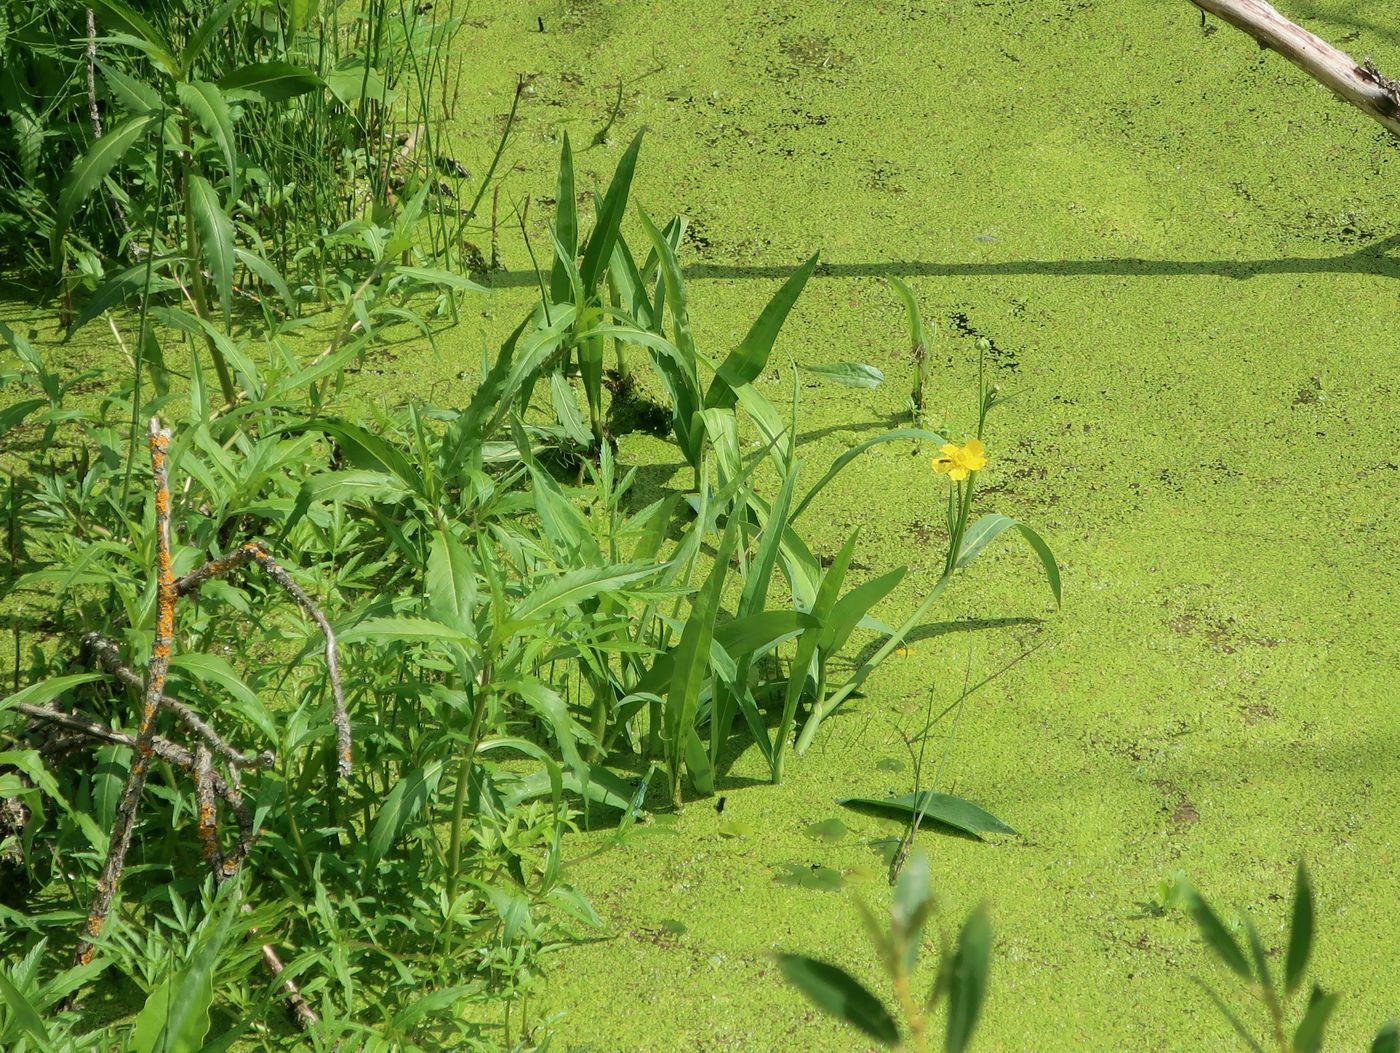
(960, 979)
(1257, 979)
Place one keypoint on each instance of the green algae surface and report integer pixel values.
(1181, 255)
(1181, 252)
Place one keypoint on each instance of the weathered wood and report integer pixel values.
(1360, 84)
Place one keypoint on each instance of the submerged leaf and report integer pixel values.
(801, 875)
(829, 830)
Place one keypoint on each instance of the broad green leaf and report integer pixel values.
(828, 830)
(598, 251)
(833, 990)
(940, 807)
(206, 104)
(85, 175)
(1216, 936)
(175, 1018)
(268, 274)
(1300, 931)
(353, 485)
(12, 416)
(122, 286)
(136, 96)
(269, 81)
(576, 586)
(851, 374)
(746, 362)
(967, 984)
(561, 396)
(350, 81)
(810, 876)
(1311, 1029)
(24, 1014)
(364, 449)
(216, 240)
(451, 581)
(698, 765)
(851, 608)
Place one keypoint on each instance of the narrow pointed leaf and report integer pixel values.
(565, 225)
(216, 239)
(598, 251)
(744, 364)
(833, 990)
(851, 374)
(1216, 936)
(1300, 931)
(85, 176)
(1311, 1029)
(206, 104)
(967, 985)
(269, 81)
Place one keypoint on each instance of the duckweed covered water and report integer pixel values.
(1182, 254)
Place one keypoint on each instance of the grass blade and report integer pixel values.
(1300, 931)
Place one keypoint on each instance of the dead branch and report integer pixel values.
(1362, 85)
(142, 748)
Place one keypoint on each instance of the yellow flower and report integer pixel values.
(958, 462)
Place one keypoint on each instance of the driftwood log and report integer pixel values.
(1361, 84)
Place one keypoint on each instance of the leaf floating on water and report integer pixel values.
(885, 848)
(852, 374)
(828, 830)
(736, 828)
(889, 764)
(940, 807)
(800, 875)
(860, 872)
(672, 927)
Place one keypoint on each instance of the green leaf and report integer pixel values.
(746, 362)
(1228, 1014)
(833, 990)
(1300, 931)
(401, 806)
(211, 669)
(120, 287)
(1216, 936)
(216, 237)
(565, 226)
(851, 608)
(1387, 1039)
(940, 807)
(990, 527)
(45, 691)
(87, 173)
(206, 104)
(25, 1015)
(402, 629)
(175, 1017)
(828, 830)
(1308, 1037)
(918, 334)
(269, 81)
(155, 43)
(135, 95)
(967, 984)
(205, 28)
(451, 581)
(12, 416)
(851, 374)
(269, 275)
(573, 588)
(598, 251)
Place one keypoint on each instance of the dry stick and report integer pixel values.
(256, 552)
(146, 729)
(109, 657)
(1364, 86)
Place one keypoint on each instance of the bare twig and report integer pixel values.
(1362, 85)
(256, 552)
(142, 749)
(110, 658)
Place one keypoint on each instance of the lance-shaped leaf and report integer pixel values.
(269, 81)
(83, 178)
(940, 807)
(835, 991)
(216, 239)
(1300, 931)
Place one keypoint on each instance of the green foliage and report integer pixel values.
(960, 979)
(1252, 970)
